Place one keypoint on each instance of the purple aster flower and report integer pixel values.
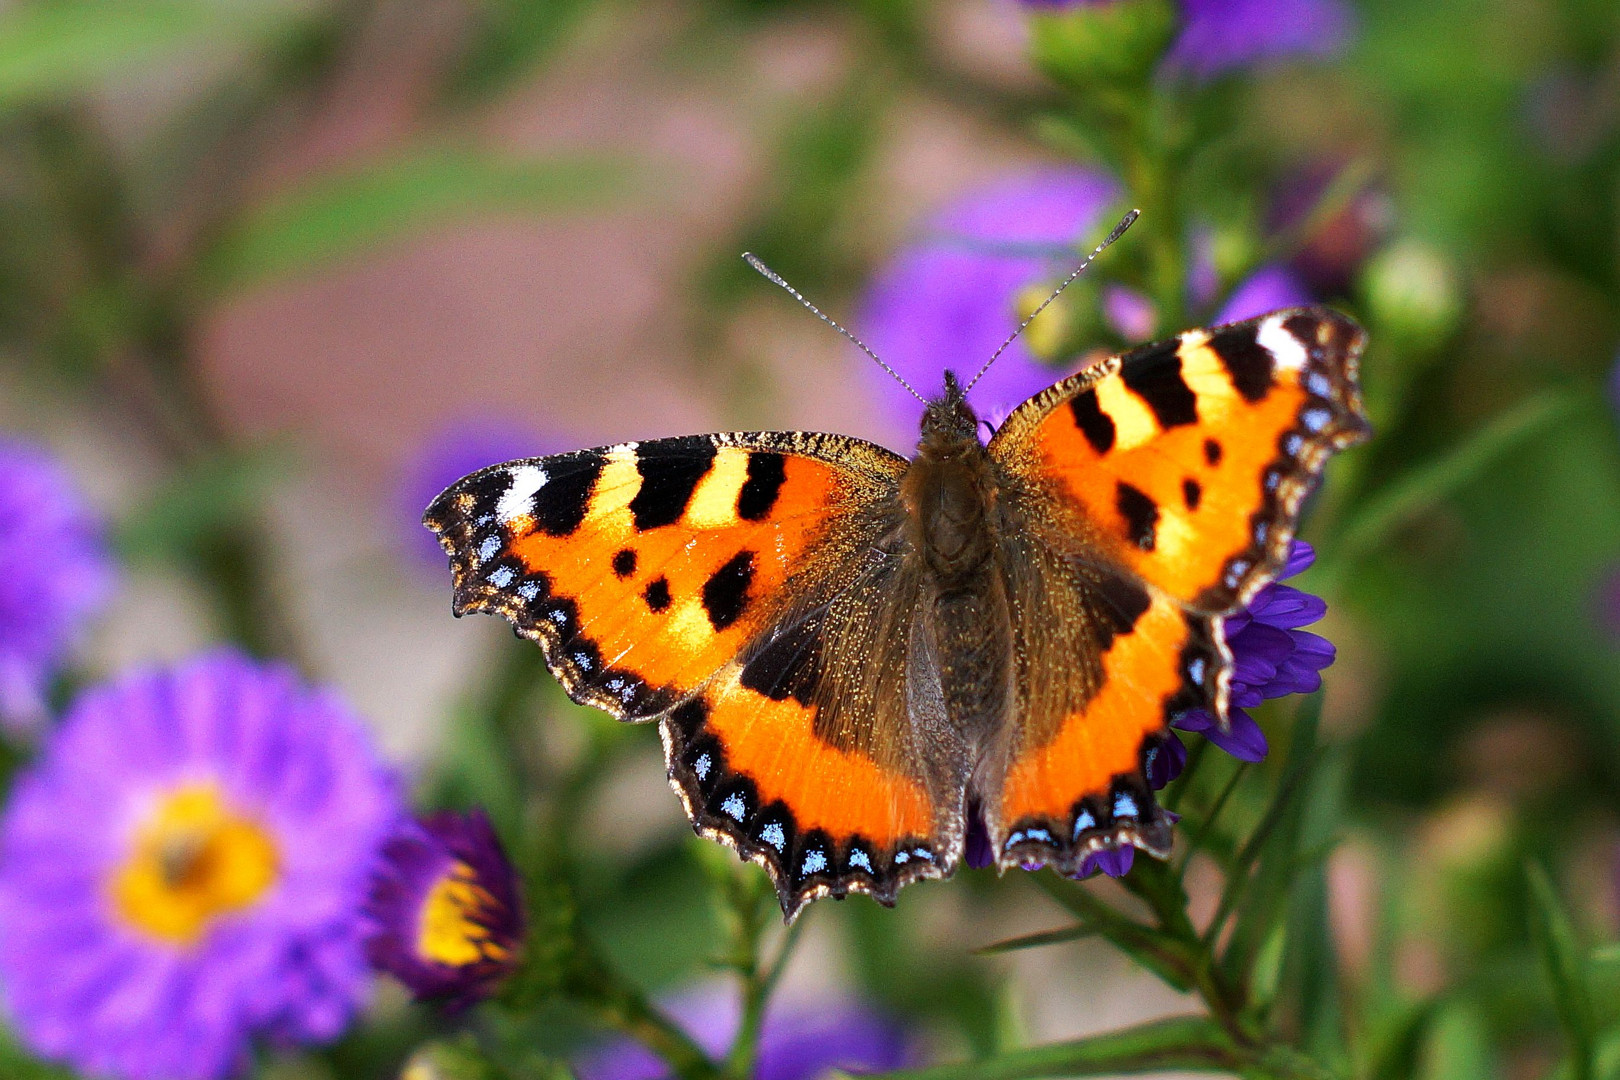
(182, 870)
(445, 914)
(1218, 36)
(949, 300)
(794, 1043)
(460, 449)
(55, 571)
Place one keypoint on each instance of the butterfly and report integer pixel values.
(851, 655)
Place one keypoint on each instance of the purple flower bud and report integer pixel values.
(445, 915)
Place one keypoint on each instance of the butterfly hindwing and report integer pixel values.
(732, 586)
(1152, 493)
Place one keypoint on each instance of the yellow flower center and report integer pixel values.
(193, 861)
(450, 931)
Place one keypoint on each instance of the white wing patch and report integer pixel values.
(518, 500)
(1285, 348)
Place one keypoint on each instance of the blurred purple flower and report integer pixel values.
(1608, 602)
(55, 571)
(949, 300)
(1266, 290)
(1218, 36)
(445, 915)
(794, 1043)
(182, 869)
(460, 449)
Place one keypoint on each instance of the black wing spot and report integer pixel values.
(657, 595)
(1096, 425)
(767, 472)
(1212, 452)
(561, 504)
(670, 472)
(1192, 493)
(1248, 363)
(725, 594)
(1140, 512)
(624, 562)
(1154, 375)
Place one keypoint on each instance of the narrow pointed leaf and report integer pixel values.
(335, 216)
(1562, 958)
(1188, 1043)
(1035, 941)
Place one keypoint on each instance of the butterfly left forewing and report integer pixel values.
(1153, 494)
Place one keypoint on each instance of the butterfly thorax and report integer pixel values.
(949, 491)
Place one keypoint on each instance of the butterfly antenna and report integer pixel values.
(1119, 230)
(753, 260)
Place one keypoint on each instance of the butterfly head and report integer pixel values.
(949, 418)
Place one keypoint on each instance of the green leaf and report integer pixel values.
(62, 48)
(1178, 1043)
(339, 214)
(1561, 955)
(1425, 486)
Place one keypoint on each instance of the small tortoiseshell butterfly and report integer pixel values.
(849, 653)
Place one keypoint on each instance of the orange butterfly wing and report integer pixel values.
(706, 581)
(1176, 473)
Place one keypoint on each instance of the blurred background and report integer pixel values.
(271, 273)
